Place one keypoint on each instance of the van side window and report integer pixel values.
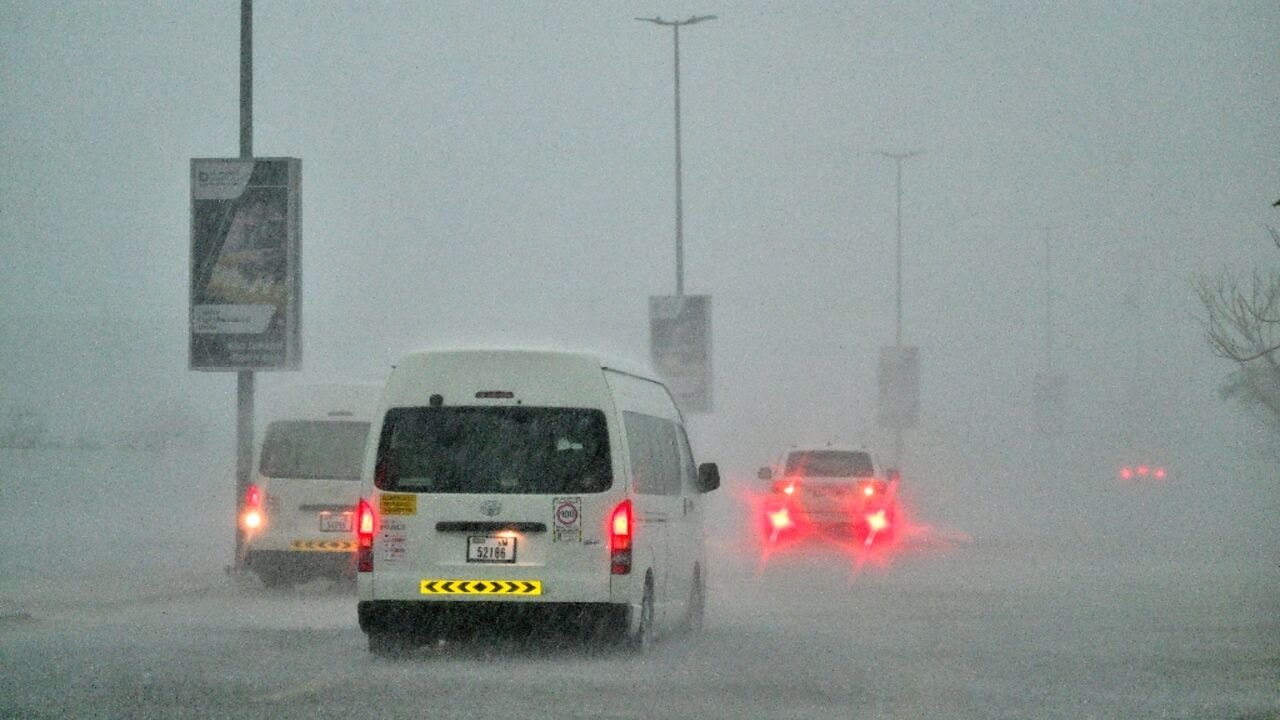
(655, 455)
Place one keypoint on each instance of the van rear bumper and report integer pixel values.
(472, 618)
(301, 565)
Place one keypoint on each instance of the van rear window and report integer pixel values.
(830, 463)
(512, 450)
(314, 450)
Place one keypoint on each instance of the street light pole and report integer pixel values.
(898, 157)
(1048, 302)
(675, 27)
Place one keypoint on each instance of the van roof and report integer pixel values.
(320, 401)
(602, 361)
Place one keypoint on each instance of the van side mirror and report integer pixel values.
(765, 473)
(892, 475)
(708, 477)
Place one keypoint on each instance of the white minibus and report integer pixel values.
(297, 515)
(527, 491)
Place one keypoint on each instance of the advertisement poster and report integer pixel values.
(245, 274)
(899, 379)
(680, 346)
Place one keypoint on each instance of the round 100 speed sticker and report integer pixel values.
(568, 519)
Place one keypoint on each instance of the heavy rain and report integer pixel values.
(983, 346)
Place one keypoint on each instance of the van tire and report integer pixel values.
(697, 604)
(646, 633)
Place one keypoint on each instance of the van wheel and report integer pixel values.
(645, 635)
(697, 605)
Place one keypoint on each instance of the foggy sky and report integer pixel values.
(503, 174)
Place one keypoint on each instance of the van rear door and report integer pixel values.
(498, 502)
(310, 470)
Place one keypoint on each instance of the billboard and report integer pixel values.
(899, 380)
(245, 264)
(680, 347)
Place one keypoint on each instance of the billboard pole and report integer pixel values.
(244, 378)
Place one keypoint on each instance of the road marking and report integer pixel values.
(316, 684)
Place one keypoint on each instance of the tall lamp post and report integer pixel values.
(1050, 385)
(675, 26)
(898, 157)
(1048, 300)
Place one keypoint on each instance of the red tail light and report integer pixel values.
(620, 525)
(366, 525)
(786, 487)
(780, 519)
(877, 521)
(251, 519)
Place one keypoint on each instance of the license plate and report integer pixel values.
(335, 522)
(491, 549)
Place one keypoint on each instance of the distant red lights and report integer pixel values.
(1143, 471)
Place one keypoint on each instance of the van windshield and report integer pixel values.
(314, 449)
(830, 463)
(513, 450)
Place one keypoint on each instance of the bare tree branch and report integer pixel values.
(1241, 322)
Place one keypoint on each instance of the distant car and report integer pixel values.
(826, 490)
(1142, 470)
(296, 518)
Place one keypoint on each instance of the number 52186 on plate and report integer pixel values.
(491, 549)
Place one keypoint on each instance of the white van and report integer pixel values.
(297, 515)
(531, 492)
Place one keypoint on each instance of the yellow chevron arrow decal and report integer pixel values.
(438, 586)
(323, 545)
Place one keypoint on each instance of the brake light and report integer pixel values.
(786, 487)
(877, 521)
(251, 519)
(1159, 473)
(366, 525)
(620, 524)
(1126, 473)
(781, 519)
